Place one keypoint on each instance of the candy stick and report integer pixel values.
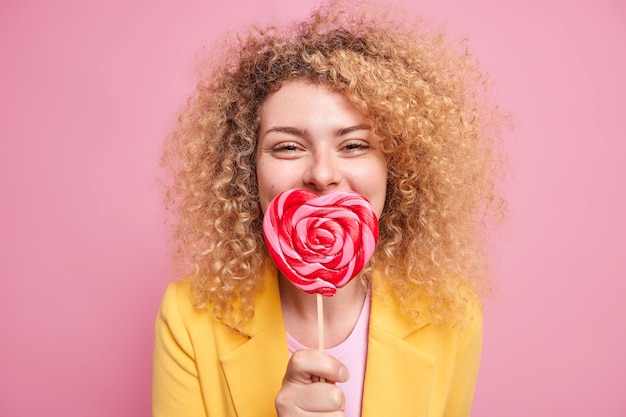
(320, 326)
(320, 322)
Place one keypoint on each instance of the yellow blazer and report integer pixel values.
(203, 368)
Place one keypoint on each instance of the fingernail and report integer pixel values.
(344, 373)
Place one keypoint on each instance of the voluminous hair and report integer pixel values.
(425, 97)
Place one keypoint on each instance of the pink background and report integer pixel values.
(87, 93)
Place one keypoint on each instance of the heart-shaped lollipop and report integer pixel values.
(320, 242)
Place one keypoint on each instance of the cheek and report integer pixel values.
(265, 195)
(261, 182)
(274, 177)
(376, 180)
(268, 186)
(379, 204)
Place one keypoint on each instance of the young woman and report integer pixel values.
(349, 99)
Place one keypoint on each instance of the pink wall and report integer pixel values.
(88, 92)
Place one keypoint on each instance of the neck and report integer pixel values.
(341, 312)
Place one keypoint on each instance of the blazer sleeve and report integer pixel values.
(463, 383)
(175, 384)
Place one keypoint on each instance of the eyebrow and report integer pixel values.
(286, 129)
(351, 129)
(302, 133)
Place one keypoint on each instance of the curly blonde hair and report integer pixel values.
(424, 97)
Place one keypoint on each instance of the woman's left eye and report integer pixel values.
(355, 147)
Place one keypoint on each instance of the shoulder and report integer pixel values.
(176, 317)
(419, 326)
(177, 303)
(192, 332)
(177, 294)
(185, 322)
(178, 309)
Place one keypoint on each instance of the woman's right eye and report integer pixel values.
(286, 147)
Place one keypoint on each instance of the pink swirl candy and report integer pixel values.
(320, 243)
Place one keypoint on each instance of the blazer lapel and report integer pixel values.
(398, 376)
(258, 365)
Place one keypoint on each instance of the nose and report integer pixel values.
(323, 174)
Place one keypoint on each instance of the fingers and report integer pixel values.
(309, 398)
(308, 365)
(301, 394)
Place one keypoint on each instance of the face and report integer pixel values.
(312, 138)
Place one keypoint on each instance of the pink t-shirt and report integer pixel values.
(352, 352)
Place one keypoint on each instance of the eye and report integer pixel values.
(286, 147)
(287, 150)
(355, 147)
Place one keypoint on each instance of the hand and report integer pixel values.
(302, 394)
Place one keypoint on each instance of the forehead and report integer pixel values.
(302, 101)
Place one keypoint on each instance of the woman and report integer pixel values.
(340, 101)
